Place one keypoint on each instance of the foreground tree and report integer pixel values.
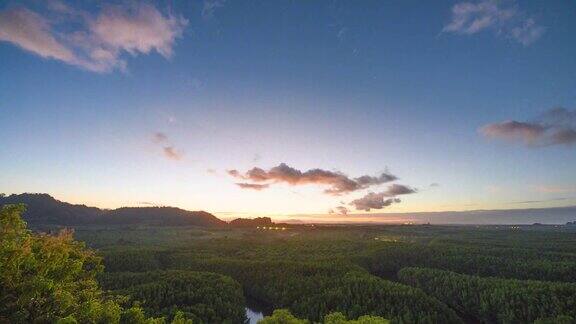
(52, 279)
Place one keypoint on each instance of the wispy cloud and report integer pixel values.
(539, 201)
(555, 127)
(209, 7)
(527, 133)
(160, 137)
(95, 42)
(337, 182)
(254, 186)
(554, 189)
(148, 203)
(508, 21)
(340, 210)
(382, 199)
(171, 153)
(168, 149)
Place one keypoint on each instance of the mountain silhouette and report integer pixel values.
(43, 209)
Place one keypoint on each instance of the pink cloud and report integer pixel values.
(97, 42)
(33, 33)
(337, 182)
(171, 153)
(554, 127)
(527, 133)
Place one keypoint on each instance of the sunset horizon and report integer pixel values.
(191, 105)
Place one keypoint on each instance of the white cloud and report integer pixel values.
(98, 42)
(470, 18)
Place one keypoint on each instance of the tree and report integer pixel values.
(45, 278)
(283, 316)
(339, 318)
(52, 279)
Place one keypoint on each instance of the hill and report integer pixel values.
(43, 209)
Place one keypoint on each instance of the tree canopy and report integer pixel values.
(52, 279)
(283, 316)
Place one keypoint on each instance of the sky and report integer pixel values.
(338, 109)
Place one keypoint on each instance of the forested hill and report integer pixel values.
(43, 209)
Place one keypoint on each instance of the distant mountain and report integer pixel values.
(43, 209)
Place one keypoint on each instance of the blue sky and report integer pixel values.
(422, 91)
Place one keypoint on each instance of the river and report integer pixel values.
(256, 310)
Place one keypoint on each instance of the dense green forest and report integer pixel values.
(316, 274)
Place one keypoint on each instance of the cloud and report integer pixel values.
(209, 7)
(95, 42)
(171, 153)
(31, 32)
(528, 32)
(554, 189)
(527, 133)
(398, 189)
(148, 203)
(340, 210)
(342, 32)
(337, 182)
(253, 186)
(470, 18)
(373, 201)
(382, 199)
(160, 137)
(539, 201)
(434, 184)
(555, 127)
(168, 149)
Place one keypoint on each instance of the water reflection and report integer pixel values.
(253, 316)
(256, 310)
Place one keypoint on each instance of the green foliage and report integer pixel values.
(45, 278)
(316, 271)
(339, 318)
(52, 279)
(201, 296)
(313, 289)
(283, 316)
(562, 319)
(180, 318)
(494, 299)
(506, 262)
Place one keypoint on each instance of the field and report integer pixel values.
(406, 273)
